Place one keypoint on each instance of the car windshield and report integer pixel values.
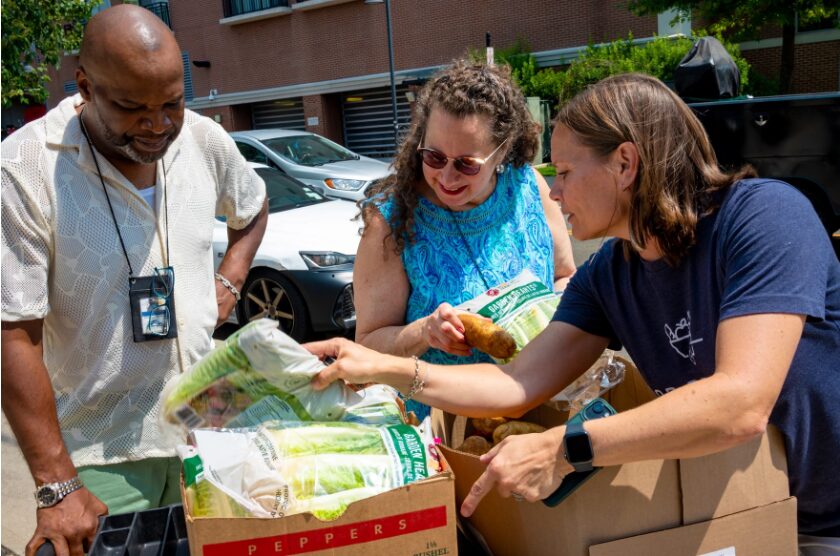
(285, 193)
(309, 150)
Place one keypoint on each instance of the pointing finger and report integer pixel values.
(478, 491)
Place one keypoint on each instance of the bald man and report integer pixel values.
(108, 286)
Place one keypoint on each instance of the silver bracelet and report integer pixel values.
(417, 384)
(226, 283)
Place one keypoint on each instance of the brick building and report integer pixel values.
(322, 65)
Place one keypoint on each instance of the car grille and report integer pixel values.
(345, 311)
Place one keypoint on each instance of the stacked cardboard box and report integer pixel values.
(735, 501)
(417, 519)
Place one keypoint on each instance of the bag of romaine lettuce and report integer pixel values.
(261, 374)
(285, 468)
(523, 307)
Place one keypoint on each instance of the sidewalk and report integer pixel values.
(18, 504)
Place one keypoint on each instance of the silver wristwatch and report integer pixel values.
(50, 494)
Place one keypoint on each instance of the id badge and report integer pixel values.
(152, 300)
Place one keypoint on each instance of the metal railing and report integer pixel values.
(239, 7)
(160, 9)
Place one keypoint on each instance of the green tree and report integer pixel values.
(745, 19)
(35, 35)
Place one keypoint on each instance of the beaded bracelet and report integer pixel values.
(417, 384)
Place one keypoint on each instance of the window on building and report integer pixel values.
(240, 7)
(188, 84)
(160, 8)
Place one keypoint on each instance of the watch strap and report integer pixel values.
(61, 489)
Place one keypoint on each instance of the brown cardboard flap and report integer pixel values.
(624, 501)
(770, 529)
(616, 502)
(746, 476)
(632, 392)
(405, 520)
(441, 427)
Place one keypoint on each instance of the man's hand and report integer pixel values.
(225, 302)
(70, 525)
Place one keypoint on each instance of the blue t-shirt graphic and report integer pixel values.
(763, 251)
(457, 255)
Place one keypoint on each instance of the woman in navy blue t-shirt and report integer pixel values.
(723, 288)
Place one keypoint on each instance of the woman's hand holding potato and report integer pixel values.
(443, 330)
(482, 334)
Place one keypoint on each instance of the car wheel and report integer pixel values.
(267, 293)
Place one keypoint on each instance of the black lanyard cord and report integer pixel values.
(111, 207)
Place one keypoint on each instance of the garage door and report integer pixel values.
(368, 120)
(286, 113)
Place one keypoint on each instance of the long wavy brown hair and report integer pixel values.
(678, 178)
(462, 89)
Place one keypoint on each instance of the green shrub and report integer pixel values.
(659, 58)
(760, 85)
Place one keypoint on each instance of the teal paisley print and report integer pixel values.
(456, 256)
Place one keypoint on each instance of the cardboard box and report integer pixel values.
(632, 499)
(763, 531)
(417, 520)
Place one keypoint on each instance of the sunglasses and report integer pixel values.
(467, 165)
(159, 317)
(158, 324)
(163, 281)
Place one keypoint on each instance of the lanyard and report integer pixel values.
(111, 207)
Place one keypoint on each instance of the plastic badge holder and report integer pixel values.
(595, 409)
(157, 532)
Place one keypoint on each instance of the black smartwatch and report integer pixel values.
(578, 448)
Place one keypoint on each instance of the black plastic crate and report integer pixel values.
(156, 532)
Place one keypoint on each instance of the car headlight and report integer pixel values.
(341, 184)
(325, 259)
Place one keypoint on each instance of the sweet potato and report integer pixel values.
(515, 427)
(485, 336)
(477, 445)
(486, 425)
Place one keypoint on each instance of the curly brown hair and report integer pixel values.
(678, 178)
(462, 89)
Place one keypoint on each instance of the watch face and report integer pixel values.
(47, 496)
(578, 448)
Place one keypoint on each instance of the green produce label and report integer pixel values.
(409, 452)
(193, 470)
(513, 299)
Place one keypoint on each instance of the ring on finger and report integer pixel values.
(516, 496)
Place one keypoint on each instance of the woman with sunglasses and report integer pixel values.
(723, 288)
(464, 212)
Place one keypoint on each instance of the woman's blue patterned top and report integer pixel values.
(497, 240)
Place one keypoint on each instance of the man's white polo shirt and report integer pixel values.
(62, 261)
